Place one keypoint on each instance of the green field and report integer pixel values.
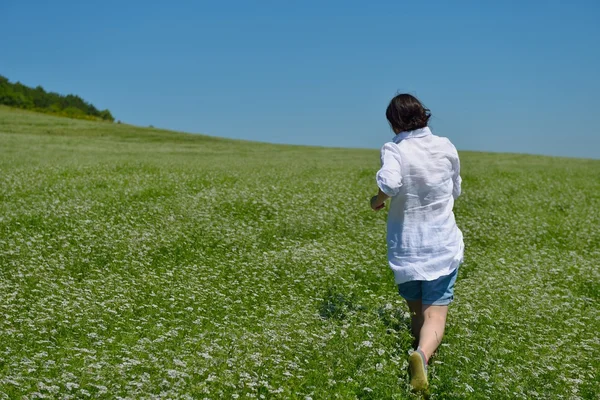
(144, 264)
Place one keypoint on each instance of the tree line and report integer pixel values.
(37, 99)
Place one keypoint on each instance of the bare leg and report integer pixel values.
(432, 331)
(416, 319)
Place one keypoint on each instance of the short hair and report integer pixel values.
(406, 113)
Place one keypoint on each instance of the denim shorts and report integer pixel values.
(439, 292)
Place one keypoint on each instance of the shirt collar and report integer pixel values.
(412, 134)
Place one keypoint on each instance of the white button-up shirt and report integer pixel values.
(421, 173)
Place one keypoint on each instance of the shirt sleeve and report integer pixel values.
(389, 177)
(457, 180)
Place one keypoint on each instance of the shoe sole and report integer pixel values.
(418, 374)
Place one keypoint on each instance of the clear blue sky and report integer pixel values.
(506, 76)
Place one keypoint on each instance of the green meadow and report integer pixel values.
(139, 263)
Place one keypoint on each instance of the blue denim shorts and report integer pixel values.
(439, 292)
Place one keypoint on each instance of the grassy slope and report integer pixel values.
(138, 262)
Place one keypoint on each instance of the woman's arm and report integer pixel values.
(389, 177)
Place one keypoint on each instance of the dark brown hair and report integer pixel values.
(407, 113)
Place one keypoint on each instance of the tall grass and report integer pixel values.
(139, 263)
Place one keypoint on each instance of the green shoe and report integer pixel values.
(418, 372)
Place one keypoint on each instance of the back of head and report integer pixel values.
(406, 113)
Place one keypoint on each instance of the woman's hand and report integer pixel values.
(378, 202)
(376, 205)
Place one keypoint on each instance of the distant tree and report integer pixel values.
(106, 115)
(40, 98)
